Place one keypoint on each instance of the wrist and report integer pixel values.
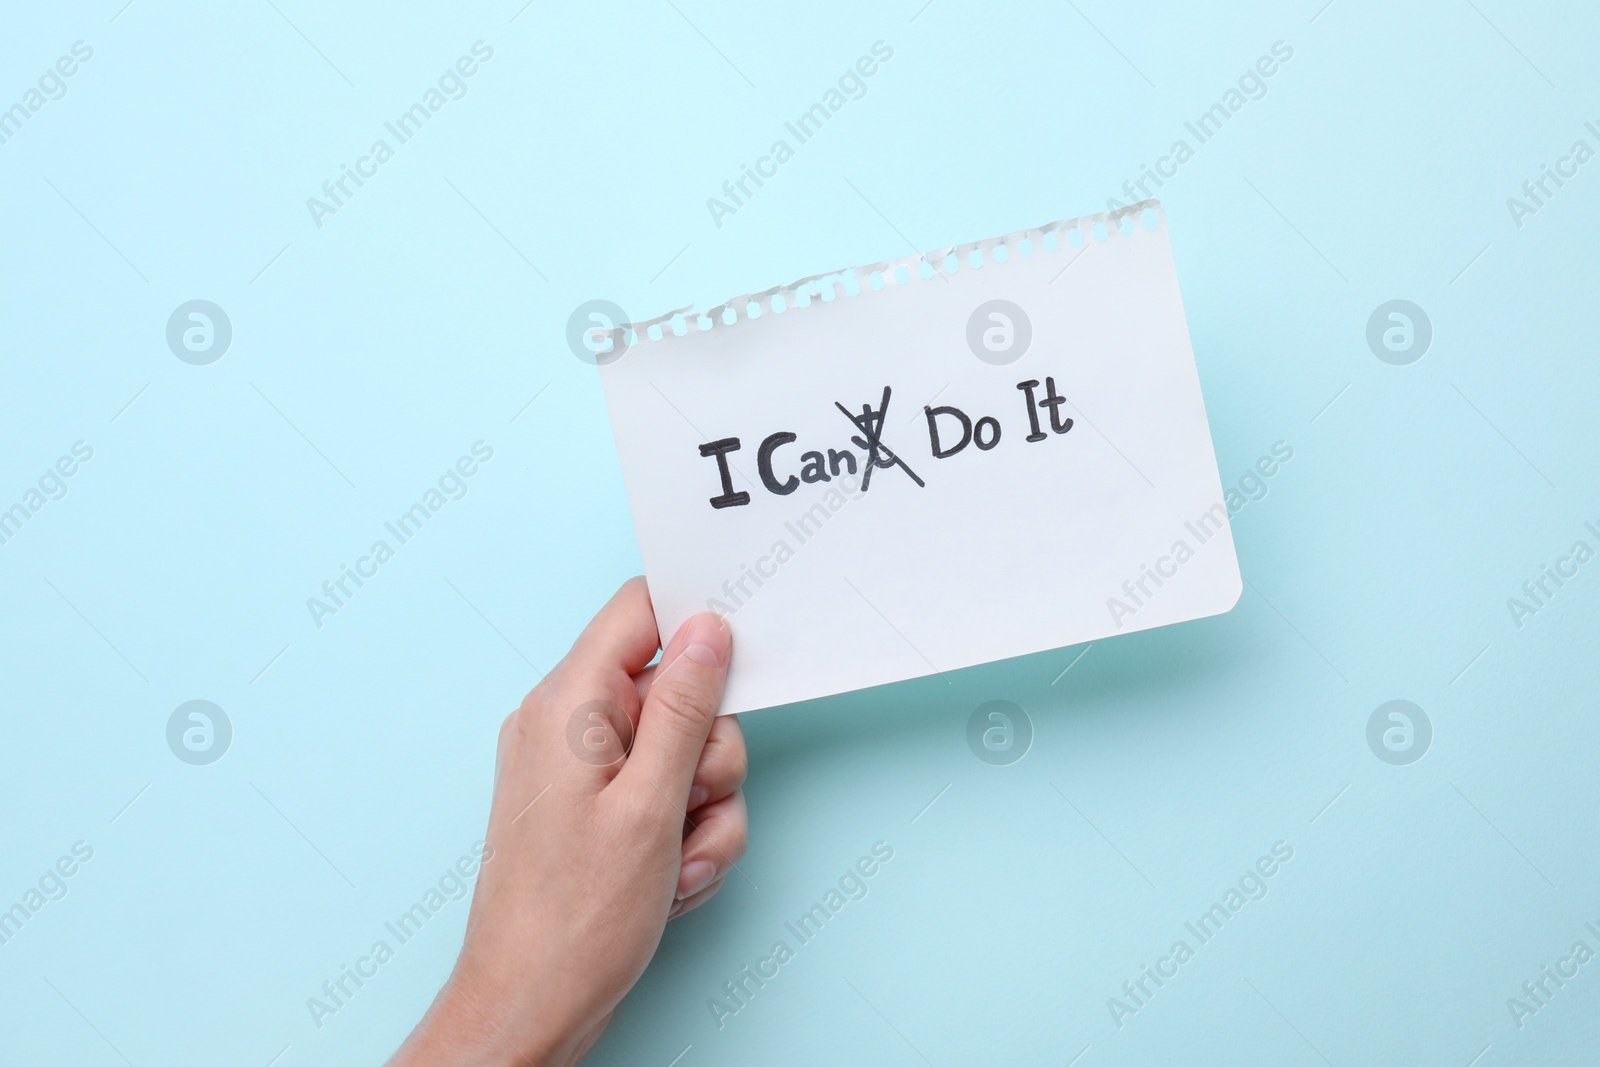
(467, 1029)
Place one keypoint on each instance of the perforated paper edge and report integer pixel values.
(858, 281)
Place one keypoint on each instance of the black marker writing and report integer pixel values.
(815, 466)
(764, 465)
(720, 449)
(971, 433)
(870, 423)
(1053, 401)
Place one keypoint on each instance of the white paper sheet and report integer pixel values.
(1111, 525)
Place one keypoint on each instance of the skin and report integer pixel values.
(593, 843)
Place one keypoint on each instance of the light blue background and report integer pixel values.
(370, 353)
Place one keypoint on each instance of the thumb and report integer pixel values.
(678, 711)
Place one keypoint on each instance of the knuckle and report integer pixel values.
(736, 763)
(510, 728)
(528, 709)
(645, 815)
(736, 840)
(681, 702)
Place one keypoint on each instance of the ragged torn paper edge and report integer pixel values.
(1101, 226)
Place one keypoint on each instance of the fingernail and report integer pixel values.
(706, 640)
(698, 796)
(695, 876)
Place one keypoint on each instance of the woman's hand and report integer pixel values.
(617, 806)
